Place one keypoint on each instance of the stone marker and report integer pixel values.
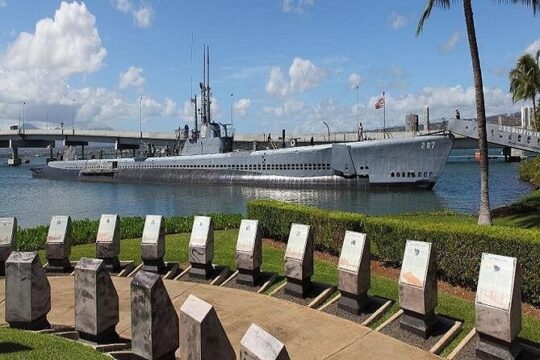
(8, 230)
(418, 288)
(257, 344)
(498, 307)
(108, 241)
(154, 323)
(96, 302)
(248, 252)
(201, 334)
(153, 244)
(58, 244)
(28, 293)
(299, 261)
(354, 272)
(201, 248)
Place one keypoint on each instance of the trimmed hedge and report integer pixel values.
(85, 231)
(459, 246)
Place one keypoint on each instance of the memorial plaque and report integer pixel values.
(354, 272)
(298, 240)
(201, 334)
(248, 252)
(58, 244)
(154, 322)
(96, 302)
(498, 307)
(257, 344)
(153, 244)
(8, 230)
(299, 261)
(418, 288)
(201, 247)
(415, 263)
(108, 241)
(27, 293)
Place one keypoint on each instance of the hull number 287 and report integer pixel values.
(428, 145)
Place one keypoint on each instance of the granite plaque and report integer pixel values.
(498, 307)
(418, 288)
(96, 302)
(153, 244)
(108, 241)
(257, 344)
(248, 252)
(299, 261)
(201, 247)
(8, 231)
(354, 272)
(415, 263)
(154, 322)
(27, 293)
(58, 244)
(201, 334)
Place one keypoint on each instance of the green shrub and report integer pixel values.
(529, 170)
(459, 246)
(85, 231)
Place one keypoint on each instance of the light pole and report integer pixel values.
(23, 113)
(140, 116)
(357, 112)
(73, 116)
(328, 129)
(231, 110)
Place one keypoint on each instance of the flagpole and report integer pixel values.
(384, 115)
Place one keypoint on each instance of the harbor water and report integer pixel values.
(34, 201)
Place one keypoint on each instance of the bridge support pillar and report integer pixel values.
(511, 154)
(15, 159)
(82, 152)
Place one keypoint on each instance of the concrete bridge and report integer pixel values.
(465, 131)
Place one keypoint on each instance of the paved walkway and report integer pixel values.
(307, 333)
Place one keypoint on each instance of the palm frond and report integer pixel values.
(534, 4)
(444, 4)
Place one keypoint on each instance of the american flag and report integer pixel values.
(379, 104)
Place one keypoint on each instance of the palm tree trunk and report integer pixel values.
(484, 215)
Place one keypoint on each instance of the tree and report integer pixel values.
(525, 81)
(484, 215)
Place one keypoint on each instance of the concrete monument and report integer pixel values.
(498, 307)
(58, 244)
(8, 230)
(153, 244)
(418, 288)
(108, 241)
(201, 333)
(96, 302)
(28, 293)
(201, 248)
(248, 252)
(257, 344)
(354, 272)
(299, 261)
(154, 323)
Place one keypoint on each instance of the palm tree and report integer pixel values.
(484, 215)
(525, 81)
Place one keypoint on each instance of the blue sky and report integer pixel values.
(288, 63)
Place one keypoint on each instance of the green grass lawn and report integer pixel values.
(25, 345)
(325, 271)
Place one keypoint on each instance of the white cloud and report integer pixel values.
(303, 75)
(397, 21)
(296, 6)
(132, 77)
(142, 15)
(3, 3)
(451, 43)
(67, 44)
(289, 107)
(241, 106)
(533, 48)
(354, 80)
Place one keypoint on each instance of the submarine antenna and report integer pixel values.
(208, 93)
